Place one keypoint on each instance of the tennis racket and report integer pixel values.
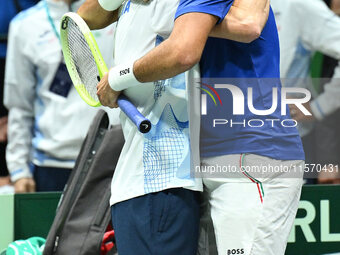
(86, 66)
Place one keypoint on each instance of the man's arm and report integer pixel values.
(19, 93)
(95, 16)
(320, 32)
(335, 6)
(185, 45)
(181, 51)
(244, 21)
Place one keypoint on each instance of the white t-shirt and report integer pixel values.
(160, 159)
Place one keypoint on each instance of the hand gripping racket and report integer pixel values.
(86, 66)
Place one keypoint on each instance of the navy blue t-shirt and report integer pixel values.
(225, 130)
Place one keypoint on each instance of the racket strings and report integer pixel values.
(83, 60)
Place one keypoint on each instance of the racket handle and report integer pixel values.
(142, 123)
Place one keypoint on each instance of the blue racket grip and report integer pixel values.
(142, 123)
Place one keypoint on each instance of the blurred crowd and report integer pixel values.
(47, 121)
(42, 122)
(310, 53)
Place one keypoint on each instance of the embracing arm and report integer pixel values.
(244, 21)
(180, 52)
(95, 15)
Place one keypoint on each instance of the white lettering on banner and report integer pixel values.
(304, 223)
(326, 236)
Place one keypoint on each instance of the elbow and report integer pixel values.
(256, 31)
(253, 31)
(186, 58)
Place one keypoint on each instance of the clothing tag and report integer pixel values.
(62, 82)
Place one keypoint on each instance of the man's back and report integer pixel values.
(254, 65)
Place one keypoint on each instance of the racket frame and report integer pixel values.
(143, 124)
(90, 40)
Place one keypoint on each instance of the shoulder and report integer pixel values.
(217, 8)
(301, 10)
(303, 6)
(27, 21)
(30, 14)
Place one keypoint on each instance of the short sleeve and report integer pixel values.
(110, 5)
(218, 8)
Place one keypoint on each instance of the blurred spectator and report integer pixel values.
(9, 8)
(304, 28)
(327, 133)
(47, 119)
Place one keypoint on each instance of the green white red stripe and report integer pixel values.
(254, 180)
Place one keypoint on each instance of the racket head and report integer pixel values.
(83, 59)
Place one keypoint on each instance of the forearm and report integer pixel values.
(20, 123)
(95, 16)
(180, 52)
(244, 21)
(163, 62)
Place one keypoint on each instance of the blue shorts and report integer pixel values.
(161, 223)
